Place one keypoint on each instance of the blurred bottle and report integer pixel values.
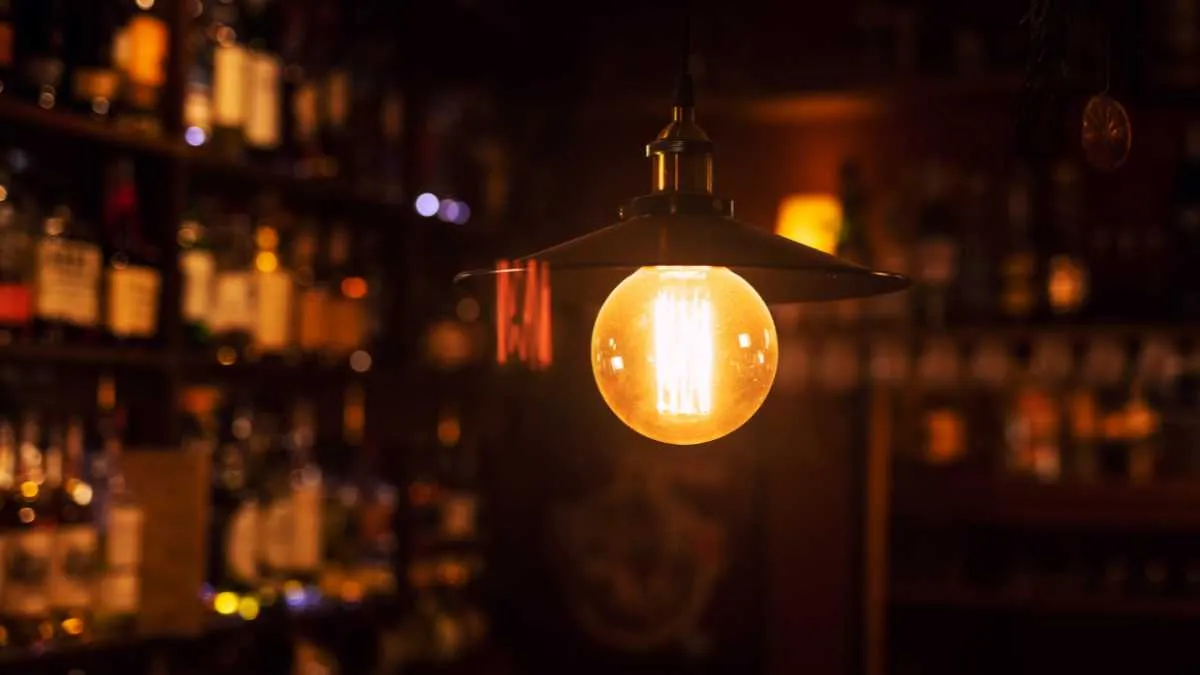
(263, 71)
(273, 280)
(943, 432)
(118, 597)
(134, 282)
(312, 291)
(1067, 274)
(39, 50)
(229, 90)
(1018, 264)
(76, 540)
(29, 546)
(346, 306)
(271, 480)
(197, 271)
(141, 50)
(233, 561)
(937, 246)
(17, 217)
(95, 81)
(235, 304)
(306, 495)
(976, 296)
(69, 264)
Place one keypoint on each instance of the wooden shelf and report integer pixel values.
(65, 124)
(954, 498)
(947, 597)
(85, 355)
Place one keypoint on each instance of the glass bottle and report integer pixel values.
(68, 262)
(264, 71)
(95, 82)
(274, 289)
(144, 43)
(312, 291)
(1067, 276)
(198, 97)
(134, 283)
(307, 496)
(76, 541)
(346, 317)
(30, 544)
(119, 596)
(39, 46)
(1018, 266)
(233, 561)
(235, 306)
(937, 248)
(16, 256)
(228, 78)
(197, 271)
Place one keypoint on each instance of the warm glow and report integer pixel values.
(248, 608)
(684, 355)
(73, 626)
(29, 489)
(813, 220)
(354, 287)
(266, 262)
(226, 603)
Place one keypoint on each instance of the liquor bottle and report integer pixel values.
(274, 290)
(143, 45)
(306, 495)
(29, 547)
(95, 82)
(228, 77)
(235, 307)
(134, 282)
(69, 264)
(943, 433)
(197, 271)
(1185, 232)
(853, 239)
(1066, 270)
(937, 248)
(1018, 266)
(198, 96)
(119, 595)
(312, 291)
(7, 46)
(233, 553)
(391, 166)
(346, 309)
(39, 48)
(335, 89)
(976, 291)
(264, 87)
(76, 541)
(16, 248)
(271, 481)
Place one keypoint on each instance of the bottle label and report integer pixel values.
(148, 38)
(274, 311)
(228, 108)
(306, 526)
(123, 550)
(74, 565)
(15, 305)
(235, 306)
(241, 543)
(276, 534)
(262, 99)
(313, 305)
(133, 301)
(6, 44)
(120, 593)
(68, 281)
(198, 268)
(27, 560)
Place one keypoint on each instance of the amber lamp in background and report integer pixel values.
(814, 220)
(684, 350)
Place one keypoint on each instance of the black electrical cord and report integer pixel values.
(685, 96)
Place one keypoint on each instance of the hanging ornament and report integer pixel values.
(1107, 135)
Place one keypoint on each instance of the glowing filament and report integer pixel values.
(683, 351)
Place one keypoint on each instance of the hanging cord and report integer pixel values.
(685, 96)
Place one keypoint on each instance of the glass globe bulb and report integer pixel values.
(684, 355)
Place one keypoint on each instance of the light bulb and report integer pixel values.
(684, 355)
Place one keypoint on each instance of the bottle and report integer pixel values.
(1067, 270)
(39, 46)
(7, 46)
(1185, 232)
(273, 323)
(853, 240)
(197, 271)
(937, 248)
(119, 595)
(1018, 266)
(335, 90)
(95, 82)
(233, 561)
(391, 169)
(235, 307)
(347, 300)
(16, 256)
(977, 294)
(134, 282)
(198, 96)
(144, 43)
(9, 504)
(271, 480)
(264, 71)
(228, 78)
(312, 291)
(68, 263)
(29, 547)
(76, 541)
(306, 496)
